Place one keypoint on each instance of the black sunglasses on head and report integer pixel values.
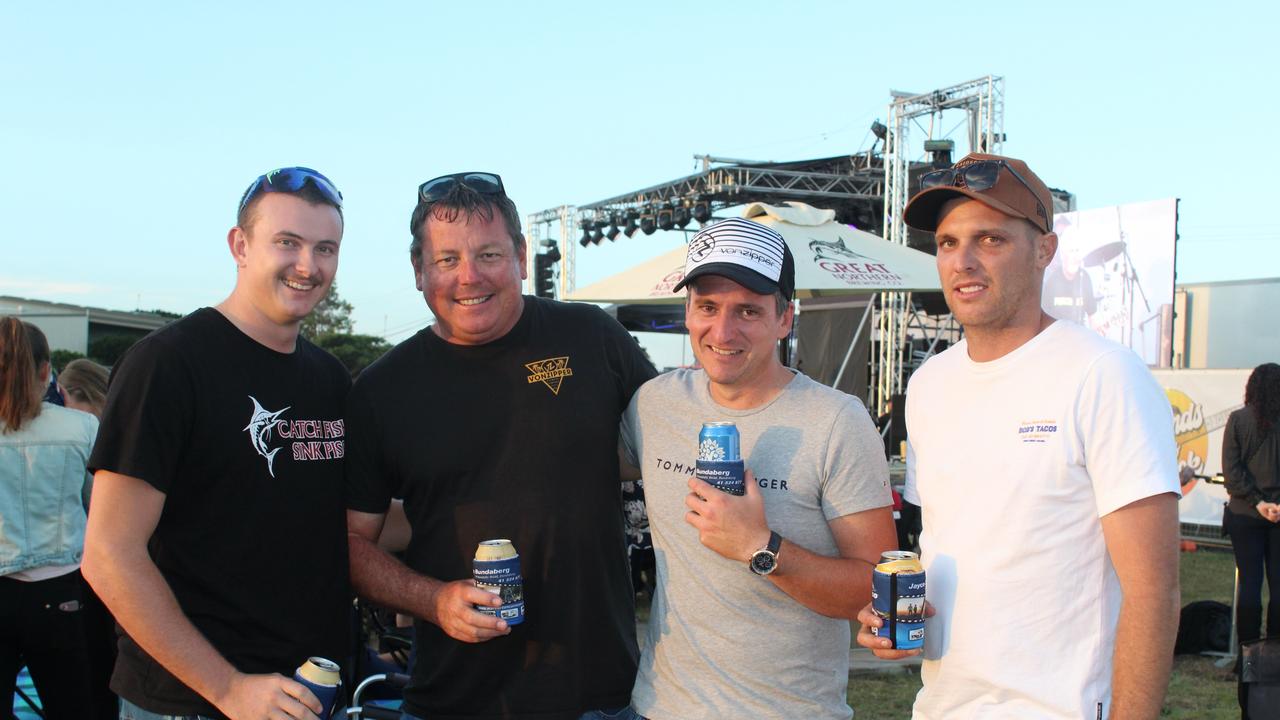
(482, 182)
(978, 176)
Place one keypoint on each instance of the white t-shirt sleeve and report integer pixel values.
(857, 475)
(1126, 431)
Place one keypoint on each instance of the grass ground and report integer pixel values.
(1198, 689)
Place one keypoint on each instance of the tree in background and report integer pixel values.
(59, 358)
(331, 316)
(356, 352)
(107, 349)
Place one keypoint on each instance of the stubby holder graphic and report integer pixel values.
(496, 569)
(324, 679)
(720, 458)
(897, 597)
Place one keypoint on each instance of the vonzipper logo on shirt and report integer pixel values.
(550, 372)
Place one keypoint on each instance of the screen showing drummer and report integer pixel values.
(1068, 288)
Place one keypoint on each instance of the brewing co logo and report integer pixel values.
(667, 284)
(851, 267)
(550, 372)
(1037, 431)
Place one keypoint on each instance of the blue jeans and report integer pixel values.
(625, 713)
(129, 711)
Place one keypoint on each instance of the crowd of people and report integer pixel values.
(241, 484)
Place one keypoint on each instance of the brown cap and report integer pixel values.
(1027, 198)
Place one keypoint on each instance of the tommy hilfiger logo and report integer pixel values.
(550, 372)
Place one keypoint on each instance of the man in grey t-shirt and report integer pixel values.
(751, 613)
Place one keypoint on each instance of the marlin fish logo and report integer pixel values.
(259, 428)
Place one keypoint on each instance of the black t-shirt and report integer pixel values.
(1068, 298)
(514, 439)
(247, 445)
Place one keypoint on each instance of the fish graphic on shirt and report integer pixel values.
(259, 429)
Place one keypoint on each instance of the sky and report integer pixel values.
(128, 131)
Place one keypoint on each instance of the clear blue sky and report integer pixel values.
(128, 131)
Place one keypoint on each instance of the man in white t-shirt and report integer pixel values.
(1043, 458)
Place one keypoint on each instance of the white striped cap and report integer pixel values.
(749, 253)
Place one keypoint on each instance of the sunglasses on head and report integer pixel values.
(292, 179)
(482, 182)
(978, 176)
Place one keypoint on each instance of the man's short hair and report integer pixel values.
(307, 192)
(463, 200)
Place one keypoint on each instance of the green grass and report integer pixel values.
(1198, 690)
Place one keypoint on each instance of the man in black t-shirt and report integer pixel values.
(216, 533)
(498, 421)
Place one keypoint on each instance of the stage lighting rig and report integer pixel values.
(941, 151)
(681, 216)
(647, 225)
(666, 219)
(702, 212)
(630, 228)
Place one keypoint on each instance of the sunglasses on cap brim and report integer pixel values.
(481, 182)
(978, 176)
(292, 179)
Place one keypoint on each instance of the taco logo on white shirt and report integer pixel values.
(1037, 431)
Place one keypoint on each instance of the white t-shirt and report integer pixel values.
(1013, 463)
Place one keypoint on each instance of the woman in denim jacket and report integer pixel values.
(43, 488)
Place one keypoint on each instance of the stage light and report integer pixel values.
(702, 212)
(941, 151)
(665, 219)
(630, 228)
(596, 235)
(879, 130)
(647, 225)
(586, 233)
(681, 217)
(612, 232)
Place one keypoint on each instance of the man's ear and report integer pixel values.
(238, 243)
(1046, 248)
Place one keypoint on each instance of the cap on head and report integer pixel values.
(1027, 198)
(751, 254)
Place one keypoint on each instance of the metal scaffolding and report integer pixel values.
(983, 102)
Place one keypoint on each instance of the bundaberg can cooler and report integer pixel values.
(497, 570)
(720, 458)
(323, 678)
(897, 597)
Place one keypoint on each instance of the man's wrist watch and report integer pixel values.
(765, 560)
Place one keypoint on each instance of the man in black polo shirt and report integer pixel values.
(498, 421)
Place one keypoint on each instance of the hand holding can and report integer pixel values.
(323, 678)
(496, 569)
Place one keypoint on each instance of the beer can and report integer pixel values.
(323, 678)
(897, 597)
(497, 570)
(720, 458)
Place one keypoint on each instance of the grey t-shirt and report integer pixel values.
(723, 642)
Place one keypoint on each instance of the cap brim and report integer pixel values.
(749, 279)
(922, 212)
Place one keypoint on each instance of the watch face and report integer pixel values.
(763, 562)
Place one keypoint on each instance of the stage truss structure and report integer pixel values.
(982, 101)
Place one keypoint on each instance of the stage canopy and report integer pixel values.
(831, 260)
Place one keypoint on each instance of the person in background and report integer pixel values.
(1251, 466)
(83, 384)
(44, 450)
